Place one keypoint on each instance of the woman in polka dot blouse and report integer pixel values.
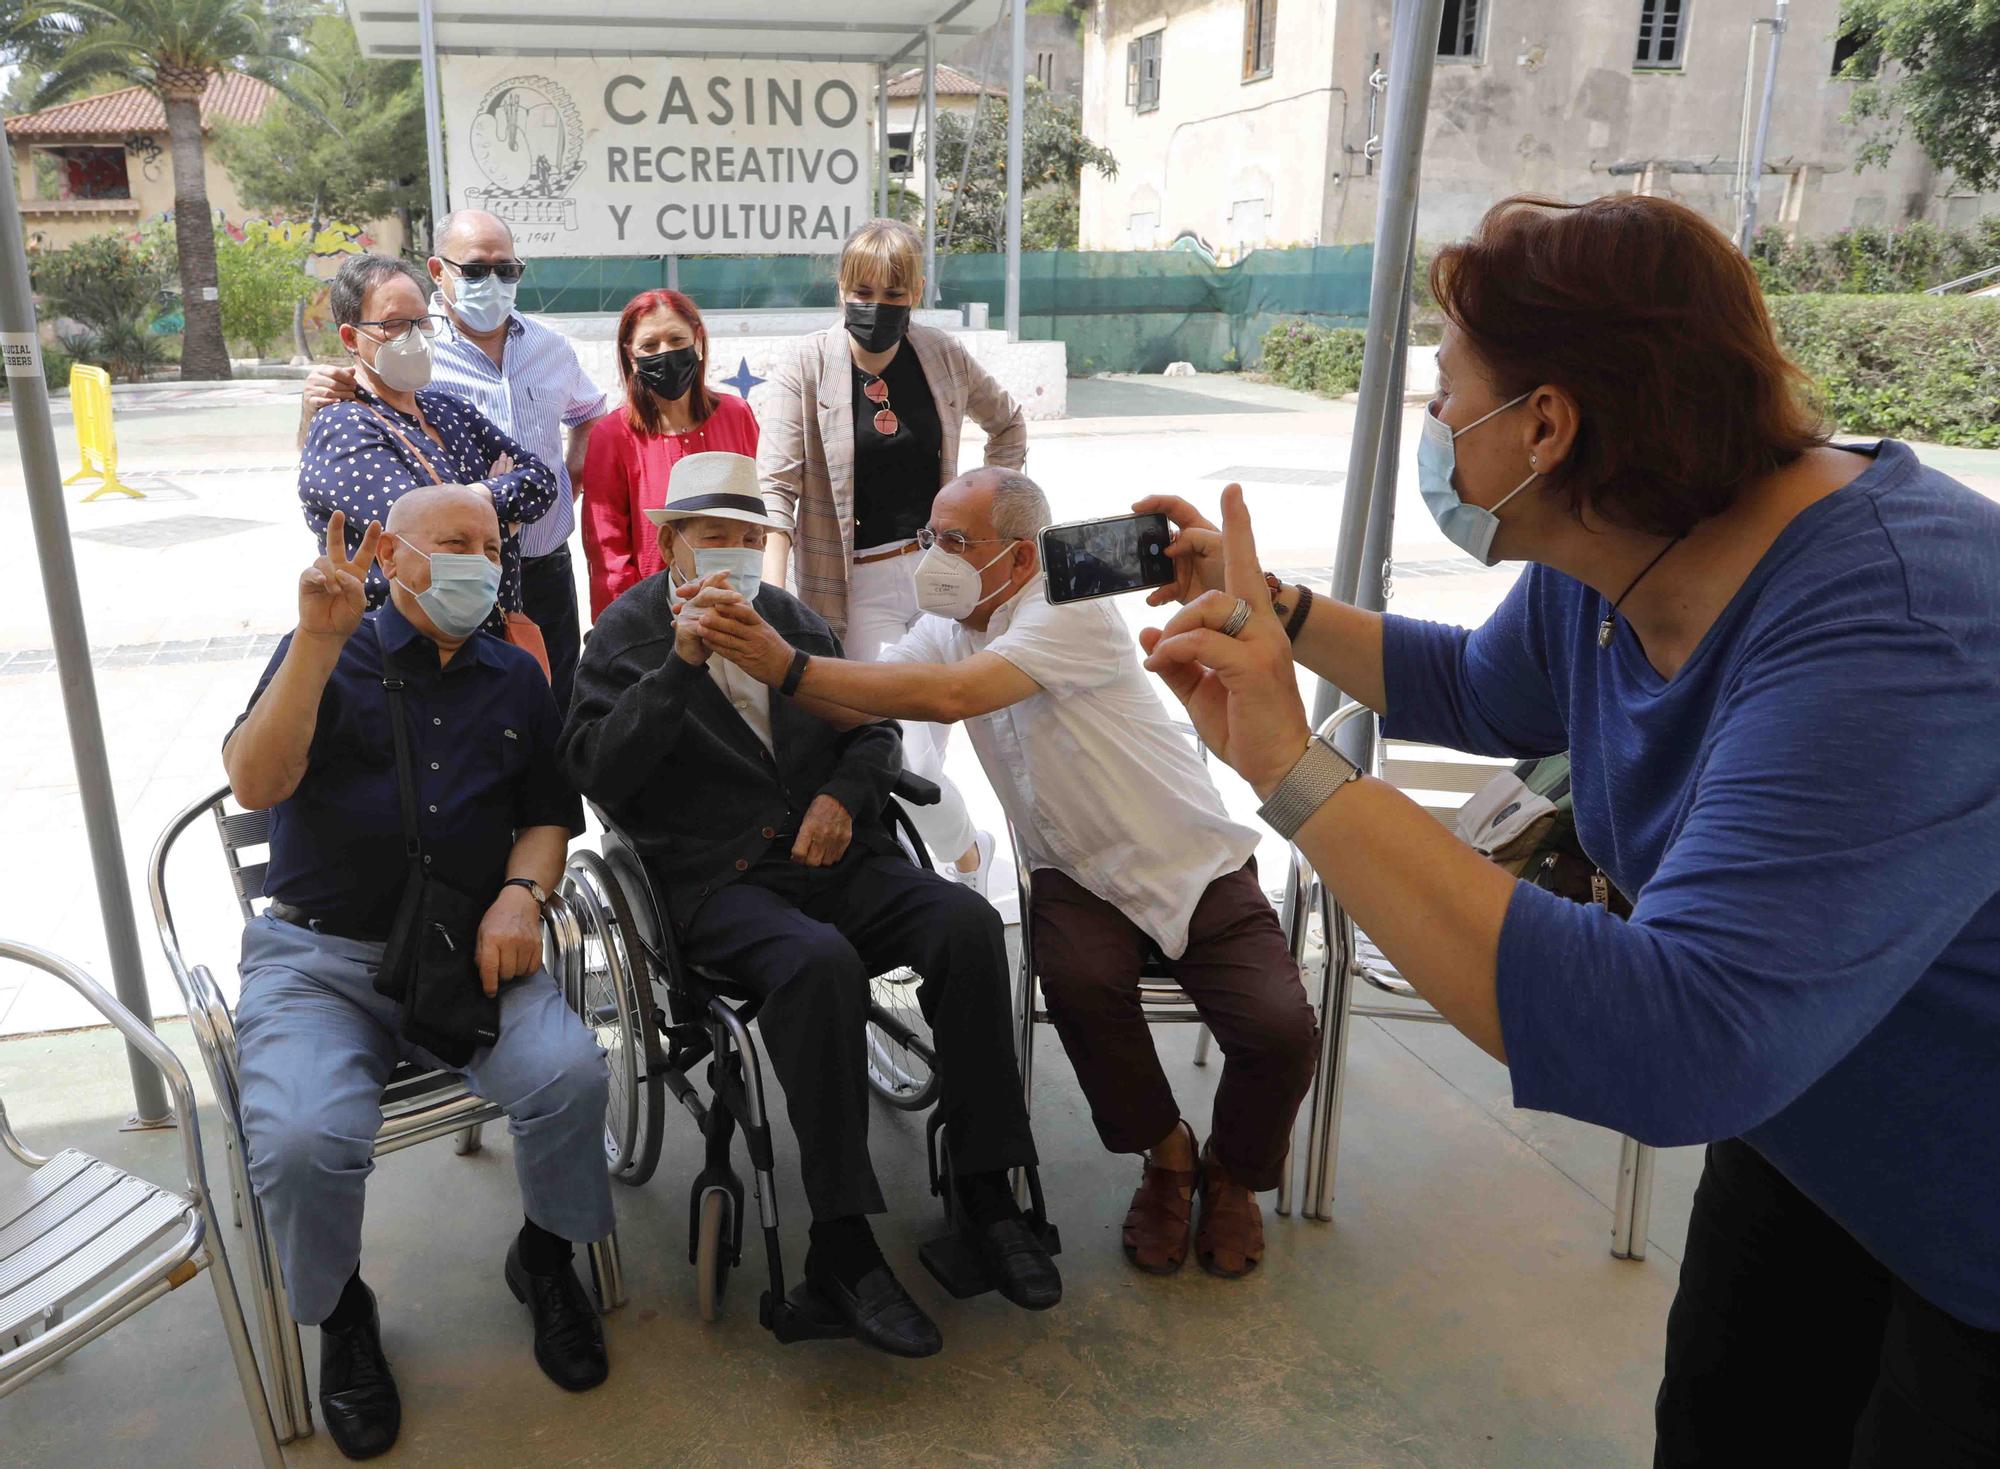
(397, 436)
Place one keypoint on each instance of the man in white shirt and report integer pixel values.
(1127, 841)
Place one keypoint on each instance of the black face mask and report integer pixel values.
(670, 374)
(876, 326)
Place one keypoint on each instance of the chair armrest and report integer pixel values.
(140, 1039)
(916, 790)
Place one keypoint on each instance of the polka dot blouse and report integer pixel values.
(353, 463)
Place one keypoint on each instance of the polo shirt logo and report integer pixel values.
(510, 734)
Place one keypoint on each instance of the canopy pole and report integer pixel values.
(1753, 188)
(43, 473)
(930, 165)
(882, 140)
(1370, 492)
(1017, 102)
(433, 115)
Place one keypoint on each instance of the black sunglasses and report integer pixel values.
(478, 270)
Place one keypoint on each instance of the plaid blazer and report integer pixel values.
(805, 448)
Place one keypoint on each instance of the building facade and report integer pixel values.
(1249, 123)
(103, 164)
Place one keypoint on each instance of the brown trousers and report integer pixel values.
(1238, 971)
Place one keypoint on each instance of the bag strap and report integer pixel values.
(406, 778)
(422, 458)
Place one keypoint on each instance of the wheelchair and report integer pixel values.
(659, 1018)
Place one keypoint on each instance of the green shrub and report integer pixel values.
(1314, 358)
(1918, 367)
(111, 286)
(260, 278)
(1871, 261)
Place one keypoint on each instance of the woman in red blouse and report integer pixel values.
(669, 411)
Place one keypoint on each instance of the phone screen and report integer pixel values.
(1101, 558)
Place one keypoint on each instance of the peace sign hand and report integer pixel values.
(333, 591)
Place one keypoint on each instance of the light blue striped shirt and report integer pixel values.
(540, 388)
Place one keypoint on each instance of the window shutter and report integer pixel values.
(1267, 47)
(1250, 8)
(1131, 73)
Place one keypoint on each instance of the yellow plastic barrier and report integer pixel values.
(90, 403)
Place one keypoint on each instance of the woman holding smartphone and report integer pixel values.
(861, 427)
(1775, 664)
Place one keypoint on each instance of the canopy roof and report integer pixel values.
(890, 31)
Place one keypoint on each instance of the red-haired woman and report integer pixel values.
(669, 412)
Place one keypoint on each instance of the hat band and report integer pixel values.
(751, 504)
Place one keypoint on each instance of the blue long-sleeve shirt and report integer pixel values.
(359, 457)
(1809, 815)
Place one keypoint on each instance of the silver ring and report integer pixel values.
(1238, 615)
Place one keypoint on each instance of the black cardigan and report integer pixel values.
(654, 742)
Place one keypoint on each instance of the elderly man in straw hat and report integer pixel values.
(762, 823)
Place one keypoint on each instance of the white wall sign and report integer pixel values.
(660, 156)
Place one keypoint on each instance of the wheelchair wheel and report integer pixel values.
(711, 1254)
(615, 986)
(900, 1073)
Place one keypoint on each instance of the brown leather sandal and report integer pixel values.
(1156, 1226)
(1229, 1241)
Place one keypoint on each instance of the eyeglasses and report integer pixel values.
(398, 328)
(478, 270)
(955, 542)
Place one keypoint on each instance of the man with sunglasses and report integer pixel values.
(523, 376)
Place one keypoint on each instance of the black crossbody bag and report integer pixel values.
(430, 966)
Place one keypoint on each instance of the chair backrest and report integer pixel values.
(242, 833)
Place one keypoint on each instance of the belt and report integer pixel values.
(562, 551)
(903, 550)
(331, 927)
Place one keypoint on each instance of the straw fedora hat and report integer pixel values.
(713, 483)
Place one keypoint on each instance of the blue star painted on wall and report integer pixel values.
(745, 379)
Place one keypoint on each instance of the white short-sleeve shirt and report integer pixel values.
(1100, 784)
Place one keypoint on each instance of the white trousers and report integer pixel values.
(881, 607)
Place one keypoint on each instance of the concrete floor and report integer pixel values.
(1461, 1310)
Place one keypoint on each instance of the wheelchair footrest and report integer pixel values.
(957, 1267)
(805, 1315)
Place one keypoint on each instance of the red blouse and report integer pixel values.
(625, 474)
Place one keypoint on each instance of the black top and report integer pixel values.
(896, 476)
(483, 736)
(659, 748)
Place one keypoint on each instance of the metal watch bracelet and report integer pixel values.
(1307, 786)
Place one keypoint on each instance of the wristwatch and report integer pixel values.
(535, 890)
(1307, 786)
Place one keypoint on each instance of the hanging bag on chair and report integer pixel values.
(1524, 820)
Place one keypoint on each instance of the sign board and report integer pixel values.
(651, 156)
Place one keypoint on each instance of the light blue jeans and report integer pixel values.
(317, 1045)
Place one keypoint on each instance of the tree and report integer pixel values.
(110, 287)
(262, 281)
(172, 48)
(1933, 67)
(290, 162)
(1054, 154)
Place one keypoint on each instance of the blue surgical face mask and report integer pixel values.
(1469, 527)
(483, 305)
(745, 565)
(462, 592)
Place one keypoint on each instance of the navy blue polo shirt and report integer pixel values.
(483, 734)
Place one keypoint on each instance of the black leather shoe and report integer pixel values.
(1021, 1268)
(357, 1396)
(569, 1339)
(881, 1313)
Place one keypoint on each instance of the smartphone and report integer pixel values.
(1101, 558)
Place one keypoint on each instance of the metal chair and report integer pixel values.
(1163, 1001)
(84, 1245)
(1440, 781)
(418, 1104)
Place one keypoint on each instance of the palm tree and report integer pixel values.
(172, 48)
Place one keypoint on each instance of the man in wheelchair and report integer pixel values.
(762, 825)
(1128, 843)
(494, 817)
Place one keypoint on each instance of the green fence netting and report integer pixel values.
(1117, 311)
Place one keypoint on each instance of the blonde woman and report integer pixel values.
(860, 429)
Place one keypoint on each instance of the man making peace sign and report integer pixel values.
(494, 817)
